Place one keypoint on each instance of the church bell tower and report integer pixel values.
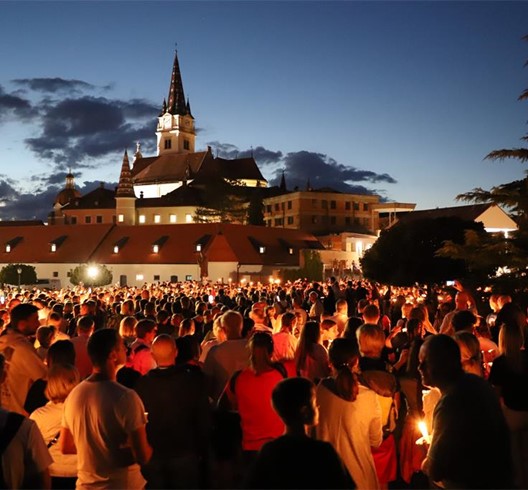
(176, 131)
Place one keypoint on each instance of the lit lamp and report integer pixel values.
(19, 272)
(92, 272)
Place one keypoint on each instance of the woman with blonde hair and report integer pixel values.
(62, 378)
(127, 329)
(470, 354)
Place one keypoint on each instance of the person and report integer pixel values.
(350, 414)
(249, 393)
(179, 435)
(25, 460)
(509, 377)
(224, 359)
(462, 300)
(85, 328)
(470, 353)
(310, 463)
(311, 358)
(470, 445)
(62, 378)
(104, 422)
(316, 307)
(23, 365)
(140, 358)
(284, 341)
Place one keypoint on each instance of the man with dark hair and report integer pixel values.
(295, 460)
(179, 435)
(24, 366)
(104, 422)
(470, 445)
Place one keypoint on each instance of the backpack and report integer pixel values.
(385, 385)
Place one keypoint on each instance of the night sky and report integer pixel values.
(404, 99)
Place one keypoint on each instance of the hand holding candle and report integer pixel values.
(426, 437)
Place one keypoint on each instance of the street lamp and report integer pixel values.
(19, 272)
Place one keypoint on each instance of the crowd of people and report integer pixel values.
(334, 384)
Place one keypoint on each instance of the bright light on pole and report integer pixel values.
(93, 271)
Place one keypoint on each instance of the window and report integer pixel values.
(324, 204)
(139, 277)
(290, 220)
(268, 208)
(142, 218)
(55, 274)
(356, 206)
(87, 219)
(188, 278)
(116, 249)
(172, 218)
(365, 206)
(8, 248)
(185, 144)
(173, 278)
(347, 205)
(98, 219)
(155, 248)
(279, 222)
(53, 248)
(68, 274)
(290, 251)
(188, 218)
(282, 206)
(156, 277)
(277, 206)
(332, 204)
(198, 247)
(157, 218)
(262, 249)
(289, 204)
(73, 220)
(120, 218)
(168, 144)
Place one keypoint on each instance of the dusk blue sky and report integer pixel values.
(400, 98)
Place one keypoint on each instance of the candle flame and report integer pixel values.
(423, 429)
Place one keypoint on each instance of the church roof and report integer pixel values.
(168, 167)
(176, 100)
(237, 169)
(99, 198)
(66, 195)
(125, 187)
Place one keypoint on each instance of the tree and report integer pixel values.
(408, 253)
(9, 274)
(513, 196)
(255, 211)
(223, 202)
(91, 275)
(312, 268)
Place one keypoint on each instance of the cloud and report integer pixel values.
(53, 85)
(18, 205)
(322, 170)
(13, 105)
(76, 129)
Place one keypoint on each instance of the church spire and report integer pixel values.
(176, 104)
(282, 185)
(125, 187)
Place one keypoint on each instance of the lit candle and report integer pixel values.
(426, 438)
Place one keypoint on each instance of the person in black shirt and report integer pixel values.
(294, 460)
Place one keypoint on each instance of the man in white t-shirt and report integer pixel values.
(104, 422)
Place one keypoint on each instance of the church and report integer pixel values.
(166, 188)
